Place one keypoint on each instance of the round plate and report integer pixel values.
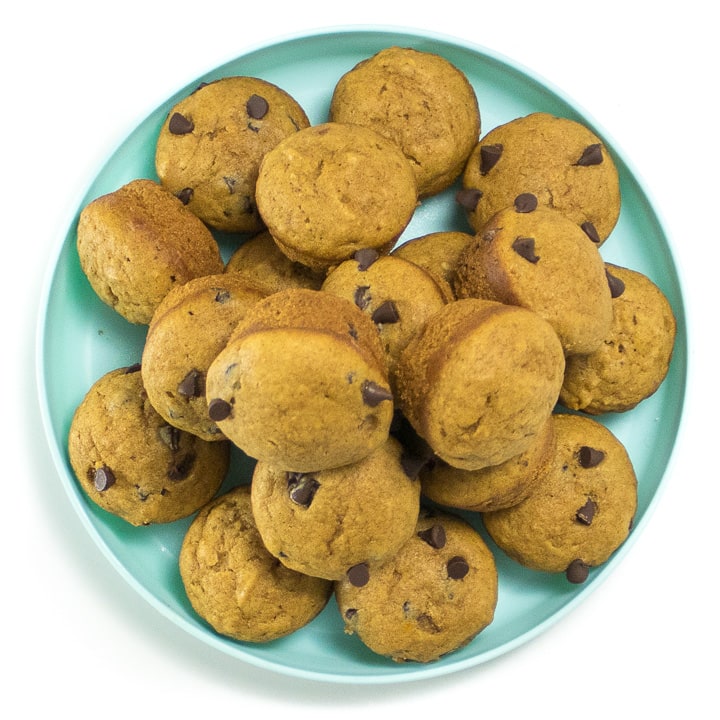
(80, 339)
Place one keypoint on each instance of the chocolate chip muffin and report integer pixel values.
(234, 583)
(419, 100)
(581, 511)
(210, 146)
(436, 594)
(302, 383)
(189, 328)
(479, 381)
(562, 162)
(494, 487)
(261, 262)
(332, 189)
(138, 242)
(397, 295)
(539, 259)
(437, 253)
(634, 357)
(132, 463)
(327, 522)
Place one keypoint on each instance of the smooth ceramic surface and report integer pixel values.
(79, 339)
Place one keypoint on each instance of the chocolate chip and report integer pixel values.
(170, 435)
(387, 313)
(590, 457)
(373, 394)
(191, 386)
(489, 155)
(181, 468)
(103, 478)
(230, 183)
(130, 369)
(359, 575)
(180, 125)
(616, 285)
(434, 536)
(592, 155)
(586, 513)
(222, 296)
(589, 229)
(468, 198)
(525, 202)
(457, 567)
(350, 613)
(185, 195)
(366, 257)
(362, 297)
(219, 409)
(257, 107)
(302, 488)
(525, 248)
(577, 571)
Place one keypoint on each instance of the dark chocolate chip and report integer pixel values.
(219, 409)
(468, 198)
(170, 435)
(617, 286)
(586, 513)
(350, 613)
(362, 297)
(525, 202)
(590, 457)
(130, 369)
(359, 575)
(434, 536)
(230, 183)
(387, 313)
(191, 386)
(185, 195)
(589, 229)
(257, 107)
(489, 155)
(373, 394)
(592, 155)
(577, 571)
(525, 248)
(180, 125)
(181, 468)
(457, 567)
(103, 478)
(222, 295)
(302, 488)
(366, 257)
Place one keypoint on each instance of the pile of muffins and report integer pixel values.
(386, 390)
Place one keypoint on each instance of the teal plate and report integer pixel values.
(79, 339)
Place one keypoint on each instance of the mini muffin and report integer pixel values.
(560, 161)
(210, 146)
(436, 594)
(261, 262)
(301, 384)
(437, 253)
(634, 357)
(396, 294)
(479, 381)
(138, 242)
(541, 260)
(232, 581)
(494, 487)
(581, 511)
(419, 100)
(332, 189)
(190, 327)
(132, 463)
(327, 522)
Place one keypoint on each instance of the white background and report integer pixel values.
(76, 78)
